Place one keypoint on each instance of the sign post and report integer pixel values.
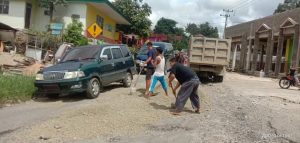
(56, 28)
(94, 30)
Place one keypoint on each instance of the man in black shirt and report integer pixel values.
(189, 82)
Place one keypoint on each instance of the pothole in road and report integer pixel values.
(114, 139)
(240, 115)
(277, 134)
(286, 100)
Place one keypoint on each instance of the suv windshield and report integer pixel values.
(144, 49)
(84, 53)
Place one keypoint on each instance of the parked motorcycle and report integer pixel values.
(287, 81)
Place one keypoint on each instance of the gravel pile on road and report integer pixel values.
(115, 113)
(228, 114)
(229, 118)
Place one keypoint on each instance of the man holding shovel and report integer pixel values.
(150, 68)
(189, 82)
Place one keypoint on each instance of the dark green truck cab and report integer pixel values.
(87, 69)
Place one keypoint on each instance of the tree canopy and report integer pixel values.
(205, 29)
(165, 26)
(287, 5)
(137, 13)
(209, 31)
(169, 28)
(192, 29)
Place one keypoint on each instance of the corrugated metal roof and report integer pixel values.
(6, 27)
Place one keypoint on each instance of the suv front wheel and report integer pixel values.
(93, 90)
(127, 80)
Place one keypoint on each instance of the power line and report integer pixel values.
(244, 5)
(238, 4)
(226, 15)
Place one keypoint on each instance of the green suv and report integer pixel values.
(87, 69)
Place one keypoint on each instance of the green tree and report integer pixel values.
(73, 34)
(50, 6)
(168, 27)
(179, 31)
(192, 29)
(165, 26)
(137, 13)
(204, 29)
(287, 5)
(181, 44)
(208, 31)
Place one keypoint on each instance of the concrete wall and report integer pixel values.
(273, 21)
(75, 8)
(40, 20)
(61, 14)
(15, 16)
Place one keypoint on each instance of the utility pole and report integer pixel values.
(226, 15)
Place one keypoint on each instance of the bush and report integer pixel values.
(73, 34)
(16, 88)
(134, 51)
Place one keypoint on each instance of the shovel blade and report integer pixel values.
(132, 90)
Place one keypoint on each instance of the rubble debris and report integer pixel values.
(44, 138)
(18, 64)
(49, 55)
(57, 127)
(1, 46)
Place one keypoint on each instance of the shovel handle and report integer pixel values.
(137, 79)
(173, 90)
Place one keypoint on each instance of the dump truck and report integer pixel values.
(209, 57)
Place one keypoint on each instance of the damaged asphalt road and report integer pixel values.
(229, 117)
(242, 109)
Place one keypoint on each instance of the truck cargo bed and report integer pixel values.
(209, 51)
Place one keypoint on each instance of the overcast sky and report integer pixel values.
(199, 11)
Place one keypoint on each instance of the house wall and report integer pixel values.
(39, 21)
(15, 16)
(92, 13)
(65, 13)
(61, 14)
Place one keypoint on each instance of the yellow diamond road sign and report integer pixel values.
(95, 30)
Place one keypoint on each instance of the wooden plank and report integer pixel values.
(1, 46)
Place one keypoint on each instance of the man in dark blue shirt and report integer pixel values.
(150, 68)
(189, 82)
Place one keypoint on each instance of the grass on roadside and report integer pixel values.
(15, 88)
